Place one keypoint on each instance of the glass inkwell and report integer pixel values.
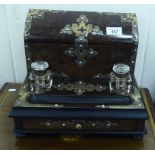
(120, 79)
(40, 77)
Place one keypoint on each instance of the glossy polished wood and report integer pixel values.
(45, 42)
(8, 139)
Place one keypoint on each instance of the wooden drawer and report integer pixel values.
(81, 125)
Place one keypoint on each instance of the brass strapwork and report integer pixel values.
(81, 51)
(80, 87)
(40, 77)
(81, 28)
(120, 79)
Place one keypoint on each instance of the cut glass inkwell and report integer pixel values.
(120, 79)
(40, 77)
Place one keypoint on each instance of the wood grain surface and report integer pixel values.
(9, 141)
(45, 42)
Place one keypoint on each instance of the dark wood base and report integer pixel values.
(9, 140)
(79, 121)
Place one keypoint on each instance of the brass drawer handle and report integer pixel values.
(78, 126)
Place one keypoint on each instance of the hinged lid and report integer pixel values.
(82, 45)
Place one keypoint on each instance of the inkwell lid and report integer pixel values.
(121, 69)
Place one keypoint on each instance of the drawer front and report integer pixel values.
(82, 125)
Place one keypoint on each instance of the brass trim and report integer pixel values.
(81, 28)
(70, 138)
(33, 13)
(137, 102)
(80, 87)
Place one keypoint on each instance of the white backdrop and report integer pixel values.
(12, 56)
